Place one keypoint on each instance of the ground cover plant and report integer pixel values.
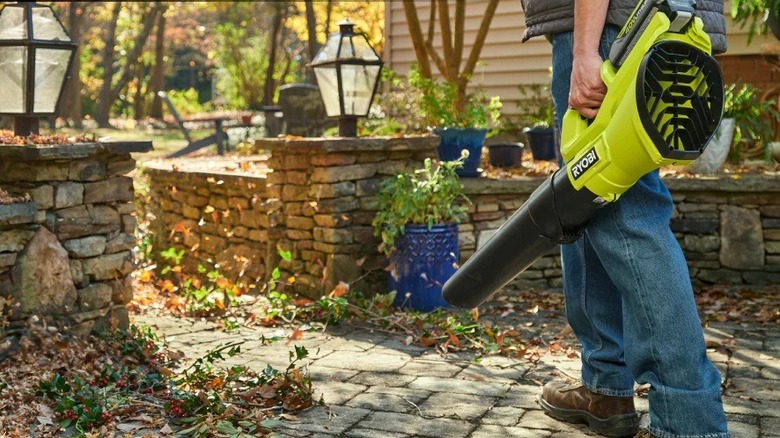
(124, 383)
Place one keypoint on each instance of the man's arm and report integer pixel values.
(587, 88)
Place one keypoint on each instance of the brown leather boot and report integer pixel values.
(605, 415)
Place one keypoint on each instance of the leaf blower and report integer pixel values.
(664, 102)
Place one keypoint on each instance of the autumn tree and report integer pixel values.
(117, 74)
(449, 61)
(70, 106)
(157, 81)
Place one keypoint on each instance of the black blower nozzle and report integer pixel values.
(555, 213)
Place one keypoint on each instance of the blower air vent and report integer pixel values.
(680, 98)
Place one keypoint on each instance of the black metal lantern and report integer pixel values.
(347, 70)
(35, 56)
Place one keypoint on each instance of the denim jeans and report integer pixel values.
(630, 302)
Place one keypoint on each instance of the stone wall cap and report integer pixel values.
(71, 151)
(766, 182)
(345, 144)
(220, 166)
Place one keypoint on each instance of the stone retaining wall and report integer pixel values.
(727, 226)
(318, 203)
(68, 252)
(223, 219)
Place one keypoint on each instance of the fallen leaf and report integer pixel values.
(340, 290)
(426, 341)
(296, 335)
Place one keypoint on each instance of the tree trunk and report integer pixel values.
(268, 87)
(134, 57)
(311, 26)
(157, 81)
(104, 97)
(139, 101)
(70, 106)
(418, 40)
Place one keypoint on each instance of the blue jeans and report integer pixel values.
(629, 298)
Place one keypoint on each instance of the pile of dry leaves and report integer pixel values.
(5, 198)
(124, 384)
(9, 138)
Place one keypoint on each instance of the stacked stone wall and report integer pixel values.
(221, 220)
(728, 228)
(318, 202)
(68, 252)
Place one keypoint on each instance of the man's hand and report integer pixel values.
(587, 89)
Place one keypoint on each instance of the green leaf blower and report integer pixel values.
(664, 102)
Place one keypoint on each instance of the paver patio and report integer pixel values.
(373, 385)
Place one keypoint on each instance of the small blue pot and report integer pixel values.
(423, 260)
(455, 140)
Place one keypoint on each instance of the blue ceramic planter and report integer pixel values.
(455, 140)
(423, 260)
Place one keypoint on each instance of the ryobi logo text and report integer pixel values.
(586, 162)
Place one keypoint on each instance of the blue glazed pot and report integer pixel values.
(455, 140)
(423, 260)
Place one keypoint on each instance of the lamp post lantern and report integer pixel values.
(35, 56)
(347, 70)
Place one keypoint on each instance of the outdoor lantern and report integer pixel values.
(347, 70)
(35, 57)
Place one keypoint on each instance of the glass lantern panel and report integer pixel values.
(359, 81)
(328, 51)
(46, 26)
(12, 23)
(329, 88)
(347, 49)
(13, 77)
(51, 68)
(362, 49)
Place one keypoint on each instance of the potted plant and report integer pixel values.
(417, 222)
(758, 15)
(754, 121)
(744, 132)
(461, 123)
(539, 114)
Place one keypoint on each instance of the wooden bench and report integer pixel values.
(219, 137)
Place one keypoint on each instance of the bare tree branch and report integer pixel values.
(451, 71)
(460, 25)
(418, 40)
(435, 57)
(133, 59)
(476, 49)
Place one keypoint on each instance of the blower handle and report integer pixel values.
(574, 124)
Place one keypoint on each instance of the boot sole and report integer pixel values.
(623, 425)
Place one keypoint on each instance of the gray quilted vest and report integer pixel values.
(547, 17)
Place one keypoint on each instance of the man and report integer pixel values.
(628, 292)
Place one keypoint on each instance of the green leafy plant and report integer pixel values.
(536, 106)
(441, 108)
(754, 14)
(753, 120)
(187, 102)
(427, 196)
(207, 292)
(394, 108)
